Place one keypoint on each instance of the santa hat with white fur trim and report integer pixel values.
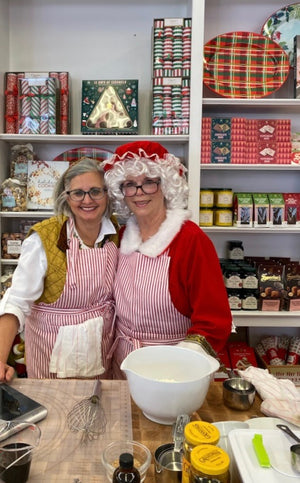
(144, 149)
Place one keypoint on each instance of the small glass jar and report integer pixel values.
(210, 461)
(233, 277)
(206, 198)
(223, 198)
(206, 217)
(235, 250)
(234, 299)
(195, 433)
(250, 279)
(250, 300)
(223, 217)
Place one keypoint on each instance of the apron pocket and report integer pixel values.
(77, 350)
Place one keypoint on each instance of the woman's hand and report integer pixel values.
(6, 372)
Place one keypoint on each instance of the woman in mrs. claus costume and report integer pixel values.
(169, 287)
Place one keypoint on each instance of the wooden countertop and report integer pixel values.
(60, 456)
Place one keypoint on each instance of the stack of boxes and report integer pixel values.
(246, 141)
(171, 75)
(37, 103)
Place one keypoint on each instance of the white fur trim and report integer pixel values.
(131, 241)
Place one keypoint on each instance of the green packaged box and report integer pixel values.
(243, 209)
(109, 107)
(260, 209)
(276, 202)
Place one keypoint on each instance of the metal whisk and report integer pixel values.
(88, 415)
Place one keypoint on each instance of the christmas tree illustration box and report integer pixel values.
(109, 107)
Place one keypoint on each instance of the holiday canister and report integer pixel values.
(209, 461)
(196, 433)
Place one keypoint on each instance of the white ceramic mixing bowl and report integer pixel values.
(165, 381)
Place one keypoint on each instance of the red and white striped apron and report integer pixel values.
(87, 294)
(145, 312)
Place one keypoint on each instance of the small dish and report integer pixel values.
(110, 457)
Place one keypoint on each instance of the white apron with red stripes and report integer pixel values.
(84, 302)
(145, 312)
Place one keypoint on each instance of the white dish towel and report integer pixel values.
(281, 398)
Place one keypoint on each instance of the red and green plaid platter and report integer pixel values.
(75, 154)
(244, 65)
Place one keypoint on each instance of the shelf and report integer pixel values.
(26, 214)
(283, 106)
(250, 167)
(9, 261)
(266, 319)
(283, 230)
(90, 139)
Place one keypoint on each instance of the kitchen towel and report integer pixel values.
(281, 398)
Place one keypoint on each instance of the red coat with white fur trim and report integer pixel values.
(195, 279)
(196, 285)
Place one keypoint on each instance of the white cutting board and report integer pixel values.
(277, 445)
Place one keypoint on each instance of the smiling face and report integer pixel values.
(144, 205)
(88, 209)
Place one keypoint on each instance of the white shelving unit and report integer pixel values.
(249, 15)
(101, 39)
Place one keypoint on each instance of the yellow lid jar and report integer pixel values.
(211, 462)
(206, 198)
(196, 433)
(206, 217)
(223, 198)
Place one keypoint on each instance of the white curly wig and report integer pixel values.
(156, 162)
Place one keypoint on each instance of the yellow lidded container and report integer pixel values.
(196, 433)
(223, 198)
(223, 217)
(206, 198)
(210, 461)
(206, 217)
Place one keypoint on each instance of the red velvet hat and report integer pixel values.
(144, 149)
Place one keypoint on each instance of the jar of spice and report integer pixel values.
(223, 198)
(235, 250)
(210, 461)
(196, 433)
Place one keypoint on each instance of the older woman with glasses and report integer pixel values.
(62, 287)
(169, 287)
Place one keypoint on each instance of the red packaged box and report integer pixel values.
(242, 356)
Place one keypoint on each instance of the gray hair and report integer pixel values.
(173, 181)
(85, 165)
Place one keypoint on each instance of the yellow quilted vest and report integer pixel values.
(53, 233)
(50, 232)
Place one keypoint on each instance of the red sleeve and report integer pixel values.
(196, 285)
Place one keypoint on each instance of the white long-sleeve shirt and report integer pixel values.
(28, 278)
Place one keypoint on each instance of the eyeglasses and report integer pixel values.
(148, 187)
(94, 193)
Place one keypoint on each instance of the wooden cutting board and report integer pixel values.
(60, 456)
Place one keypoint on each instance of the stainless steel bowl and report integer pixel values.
(238, 393)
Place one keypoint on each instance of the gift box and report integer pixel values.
(109, 107)
(38, 105)
(170, 105)
(297, 67)
(11, 83)
(172, 46)
(260, 209)
(42, 177)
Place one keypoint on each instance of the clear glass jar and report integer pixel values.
(196, 433)
(210, 461)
